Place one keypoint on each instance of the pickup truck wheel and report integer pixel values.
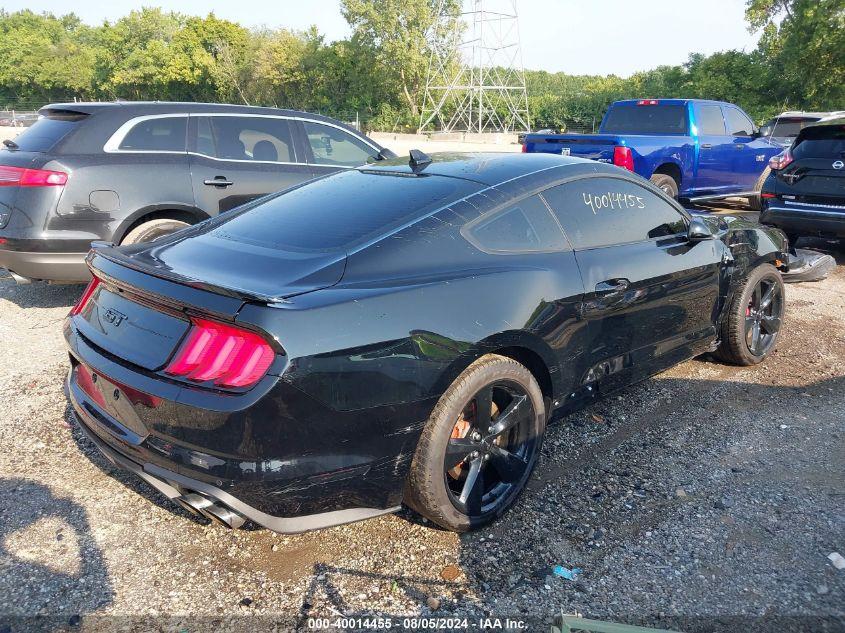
(152, 230)
(666, 183)
(755, 202)
(751, 327)
(479, 446)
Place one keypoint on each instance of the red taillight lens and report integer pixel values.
(89, 290)
(647, 102)
(780, 161)
(623, 157)
(524, 147)
(227, 355)
(21, 177)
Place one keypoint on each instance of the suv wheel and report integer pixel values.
(479, 446)
(152, 230)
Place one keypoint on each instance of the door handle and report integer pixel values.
(611, 286)
(706, 145)
(218, 181)
(739, 145)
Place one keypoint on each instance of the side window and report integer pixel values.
(524, 227)
(265, 139)
(332, 146)
(166, 134)
(738, 123)
(709, 120)
(596, 212)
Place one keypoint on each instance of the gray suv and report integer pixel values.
(129, 172)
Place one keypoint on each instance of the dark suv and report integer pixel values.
(805, 192)
(128, 172)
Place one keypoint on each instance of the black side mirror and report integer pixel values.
(699, 231)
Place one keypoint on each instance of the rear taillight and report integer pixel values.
(226, 355)
(623, 157)
(22, 177)
(780, 161)
(647, 102)
(86, 296)
(524, 147)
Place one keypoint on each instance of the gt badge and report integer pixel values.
(114, 317)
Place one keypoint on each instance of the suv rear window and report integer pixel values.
(646, 119)
(159, 134)
(341, 211)
(49, 129)
(821, 141)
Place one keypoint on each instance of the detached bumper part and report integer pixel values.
(219, 506)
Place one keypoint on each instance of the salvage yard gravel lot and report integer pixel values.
(706, 492)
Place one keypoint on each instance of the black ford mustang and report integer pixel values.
(402, 333)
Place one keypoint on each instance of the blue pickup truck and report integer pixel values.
(692, 149)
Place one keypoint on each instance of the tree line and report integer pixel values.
(378, 73)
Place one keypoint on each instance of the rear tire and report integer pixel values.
(444, 489)
(666, 183)
(755, 203)
(153, 230)
(749, 311)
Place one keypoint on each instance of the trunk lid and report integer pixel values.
(817, 172)
(122, 325)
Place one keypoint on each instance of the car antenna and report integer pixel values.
(419, 160)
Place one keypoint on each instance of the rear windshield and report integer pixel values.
(48, 130)
(788, 127)
(826, 141)
(646, 119)
(341, 211)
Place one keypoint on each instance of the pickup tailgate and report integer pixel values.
(593, 146)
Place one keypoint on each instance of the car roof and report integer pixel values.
(130, 109)
(670, 101)
(490, 168)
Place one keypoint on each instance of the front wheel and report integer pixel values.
(479, 446)
(752, 325)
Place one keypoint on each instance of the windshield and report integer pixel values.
(47, 131)
(646, 119)
(341, 211)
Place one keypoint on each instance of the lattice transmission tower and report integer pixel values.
(475, 80)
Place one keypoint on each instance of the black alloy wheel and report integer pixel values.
(763, 316)
(491, 447)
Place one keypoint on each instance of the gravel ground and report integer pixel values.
(707, 498)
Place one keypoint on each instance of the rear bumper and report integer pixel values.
(806, 219)
(47, 266)
(273, 455)
(223, 507)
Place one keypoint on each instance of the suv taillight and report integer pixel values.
(227, 355)
(780, 161)
(86, 296)
(23, 177)
(623, 157)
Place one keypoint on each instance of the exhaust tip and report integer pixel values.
(203, 506)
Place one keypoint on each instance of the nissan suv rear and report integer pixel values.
(129, 172)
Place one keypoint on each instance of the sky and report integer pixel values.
(598, 37)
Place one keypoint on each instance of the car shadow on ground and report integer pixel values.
(53, 572)
(38, 294)
(624, 478)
